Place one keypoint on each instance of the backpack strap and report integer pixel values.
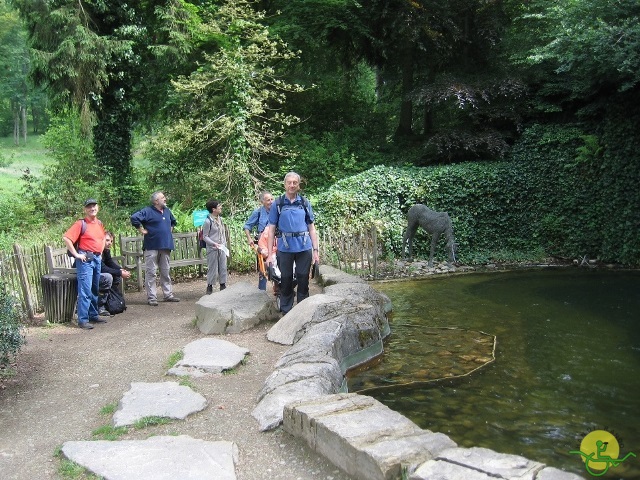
(76, 244)
(208, 231)
(83, 229)
(303, 200)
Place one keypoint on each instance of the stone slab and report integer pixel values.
(314, 309)
(239, 307)
(494, 464)
(363, 437)
(157, 458)
(208, 355)
(330, 276)
(268, 412)
(551, 473)
(437, 469)
(165, 399)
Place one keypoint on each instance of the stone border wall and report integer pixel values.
(330, 333)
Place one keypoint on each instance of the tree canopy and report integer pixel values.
(230, 94)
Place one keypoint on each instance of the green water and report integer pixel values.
(567, 361)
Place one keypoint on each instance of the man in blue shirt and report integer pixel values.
(292, 217)
(259, 219)
(156, 223)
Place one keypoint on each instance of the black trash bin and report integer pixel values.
(60, 293)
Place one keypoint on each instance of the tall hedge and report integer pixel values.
(563, 192)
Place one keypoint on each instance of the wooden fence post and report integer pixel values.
(374, 234)
(24, 280)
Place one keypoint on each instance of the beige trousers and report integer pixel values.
(155, 260)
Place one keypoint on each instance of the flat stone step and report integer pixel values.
(165, 399)
(157, 458)
(208, 355)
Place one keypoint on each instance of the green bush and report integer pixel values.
(11, 329)
(551, 198)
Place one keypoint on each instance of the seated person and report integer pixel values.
(111, 275)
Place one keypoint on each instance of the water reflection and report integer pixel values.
(567, 361)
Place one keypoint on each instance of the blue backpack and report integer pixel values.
(303, 203)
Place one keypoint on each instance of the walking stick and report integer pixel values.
(261, 268)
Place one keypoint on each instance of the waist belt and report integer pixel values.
(294, 234)
(89, 251)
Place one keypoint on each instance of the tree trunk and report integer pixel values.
(23, 118)
(16, 122)
(112, 144)
(406, 105)
(427, 120)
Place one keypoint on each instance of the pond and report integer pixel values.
(567, 361)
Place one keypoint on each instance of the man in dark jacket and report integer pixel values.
(156, 223)
(111, 275)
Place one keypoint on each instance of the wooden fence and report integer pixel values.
(357, 253)
(21, 272)
(22, 269)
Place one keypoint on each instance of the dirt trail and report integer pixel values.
(67, 375)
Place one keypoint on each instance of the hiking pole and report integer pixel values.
(261, 268)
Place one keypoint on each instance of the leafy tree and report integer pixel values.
(95, 56)
(579, 54)
(14, 65)
(69, 180)
(226, 115)
(424, 57)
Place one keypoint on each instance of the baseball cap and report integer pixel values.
(90, 201)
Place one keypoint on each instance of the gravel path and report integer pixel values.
(67, 375)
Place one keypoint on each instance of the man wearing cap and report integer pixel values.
(85, 240)
(156, 223)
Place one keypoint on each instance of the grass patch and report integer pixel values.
(7, 371)
(16, 159)
(231, 371)
(185, 381)
(70, 470)
(109, 432)
(175, 358)
(109, 409)
(151, 421)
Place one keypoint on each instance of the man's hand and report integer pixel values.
(125, 273)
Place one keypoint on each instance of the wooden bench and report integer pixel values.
(58, 261)
(186, 252)
(59, 286)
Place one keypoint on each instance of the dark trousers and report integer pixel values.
(107, 282)
(287, 261)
